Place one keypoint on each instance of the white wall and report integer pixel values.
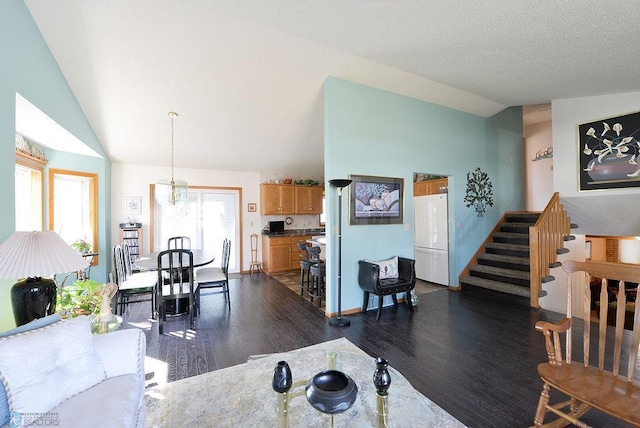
(566, 115)
(556, 298)
(539, 174)
(134, 180)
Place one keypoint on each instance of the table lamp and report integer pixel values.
(34, 255)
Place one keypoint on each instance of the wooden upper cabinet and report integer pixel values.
(276, 199)
(420, 188)
(290, 199)
(429, 187)
(308, 199)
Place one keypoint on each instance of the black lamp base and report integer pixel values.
(33, 298)
(339, 322)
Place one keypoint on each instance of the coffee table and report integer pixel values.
(244, 395)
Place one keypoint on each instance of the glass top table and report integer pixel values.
(245, 396)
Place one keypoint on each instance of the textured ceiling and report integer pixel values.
(246, 75)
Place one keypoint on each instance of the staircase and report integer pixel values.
(505, 264)
(517, 255)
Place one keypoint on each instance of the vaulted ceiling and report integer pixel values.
(246, 76)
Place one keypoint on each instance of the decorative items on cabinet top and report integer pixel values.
(289, 180)
(29, 149)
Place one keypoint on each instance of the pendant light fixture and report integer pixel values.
(172, 192)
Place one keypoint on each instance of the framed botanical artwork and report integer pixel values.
(132, 205)
(609, 151)
(376, 200)
(252, 207)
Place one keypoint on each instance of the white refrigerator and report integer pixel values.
(431, 238)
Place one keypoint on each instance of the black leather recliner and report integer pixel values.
(370, 282)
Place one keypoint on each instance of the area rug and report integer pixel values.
(291, 280)
(242, 395)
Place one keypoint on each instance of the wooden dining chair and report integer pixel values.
(255, 263)
(175, 281)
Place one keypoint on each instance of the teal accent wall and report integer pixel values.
(28, 68)
(374, 132)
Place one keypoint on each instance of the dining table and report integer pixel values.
(149, 262)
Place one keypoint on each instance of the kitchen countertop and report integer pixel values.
(297, 232)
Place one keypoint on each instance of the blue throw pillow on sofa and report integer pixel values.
(33, 325)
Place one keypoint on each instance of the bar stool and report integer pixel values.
(304, 266)
(317, 269)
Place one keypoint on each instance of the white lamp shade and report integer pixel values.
(37, 254)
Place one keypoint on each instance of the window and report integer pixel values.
(73, 206)
(29, 195)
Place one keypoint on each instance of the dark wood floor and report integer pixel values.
(474, 357)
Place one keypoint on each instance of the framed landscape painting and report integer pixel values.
(376, 200)
(609, 153)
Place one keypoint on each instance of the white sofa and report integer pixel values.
(58, 374)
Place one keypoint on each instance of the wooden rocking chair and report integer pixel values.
(593, 386)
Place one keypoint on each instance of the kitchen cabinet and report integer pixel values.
(308, 199)
(429, 187)
(280, 253)
(288, 199)
(277, 199)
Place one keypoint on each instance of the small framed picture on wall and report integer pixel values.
(252, 207)
(133, 205)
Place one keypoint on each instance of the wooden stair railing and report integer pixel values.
(545, 238)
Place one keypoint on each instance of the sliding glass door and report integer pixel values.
(211, 215)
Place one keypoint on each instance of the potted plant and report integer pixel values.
(80, 298)
(81, 246)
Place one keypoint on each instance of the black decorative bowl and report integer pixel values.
(331, 391)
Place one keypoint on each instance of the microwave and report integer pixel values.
(276, 227)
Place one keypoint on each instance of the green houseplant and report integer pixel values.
(80, 298)
(81, 246)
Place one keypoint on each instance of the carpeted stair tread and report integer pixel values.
(497, 271)
(510, 249)
(562, 251)
(511, 238)
(513, 224)
(499, 286)
(569, 238)
(524, 217)
(520, 228)
(508, 262)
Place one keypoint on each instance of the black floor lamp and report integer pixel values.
(338, 321)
